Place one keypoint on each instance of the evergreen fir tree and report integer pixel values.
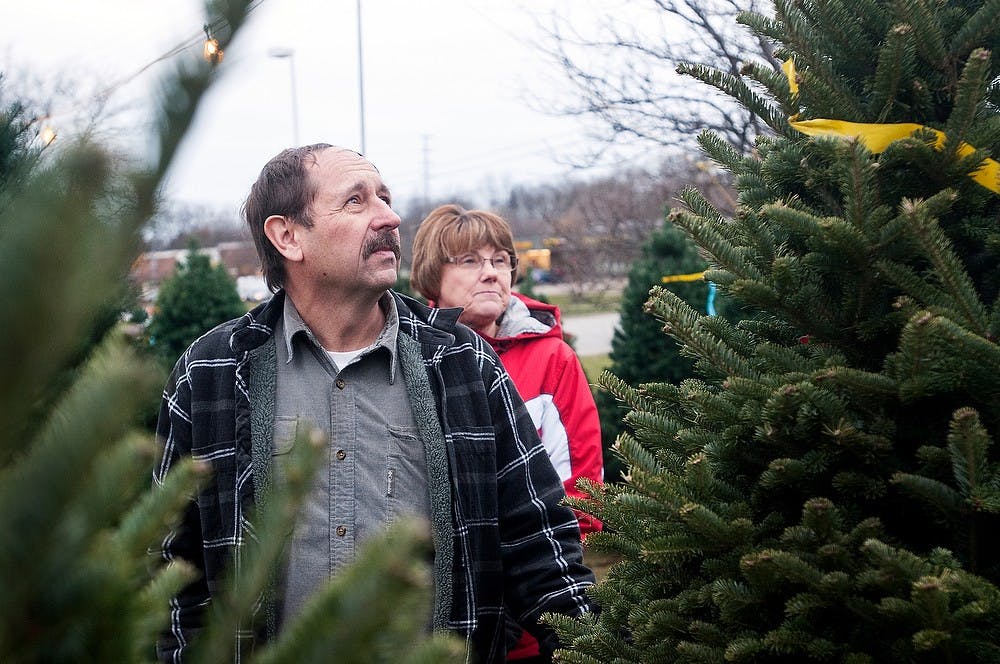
(640, 352)
(829, 489)
(196, 298)
(17, 153)
(76, 509)
(526, 284)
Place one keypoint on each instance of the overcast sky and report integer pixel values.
(448, 85)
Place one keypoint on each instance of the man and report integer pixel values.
(420, 416)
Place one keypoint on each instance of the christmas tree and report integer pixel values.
(196, 298)
(640, 352)
(76, 507)
(828, 488)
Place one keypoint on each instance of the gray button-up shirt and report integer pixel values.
(375, 469)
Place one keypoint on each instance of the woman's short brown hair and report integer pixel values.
(451, 230)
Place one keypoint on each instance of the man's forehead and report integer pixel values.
(345, 169)
(341, 158)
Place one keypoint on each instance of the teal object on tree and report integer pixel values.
(710, 300)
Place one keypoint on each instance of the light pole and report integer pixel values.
(361, 82)
(290, 54)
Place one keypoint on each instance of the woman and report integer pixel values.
(466, 258)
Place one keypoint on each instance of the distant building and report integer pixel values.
(153, 267)
(252, 288)
(239, 258)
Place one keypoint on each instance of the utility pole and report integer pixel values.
(290, 55)
(361, 82)
(427, 170)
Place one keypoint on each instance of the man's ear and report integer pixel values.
(283, 234)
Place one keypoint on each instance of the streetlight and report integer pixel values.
(290, 54)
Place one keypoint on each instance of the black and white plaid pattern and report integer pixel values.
(514, 545)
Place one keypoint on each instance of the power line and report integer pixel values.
(196, 39)
(498, 156)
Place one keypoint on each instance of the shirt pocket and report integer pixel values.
(406, 487)
(286, 428)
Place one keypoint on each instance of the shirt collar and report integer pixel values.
(293, 325)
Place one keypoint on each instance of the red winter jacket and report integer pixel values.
(548, 375)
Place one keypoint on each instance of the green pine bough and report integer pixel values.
(79, 516)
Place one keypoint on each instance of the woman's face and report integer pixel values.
(474, 282)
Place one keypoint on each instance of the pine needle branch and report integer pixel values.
(679, 322)
(980, 28)
(968, 97)
(968, 443)
(930, 38)
(369, 614)
(896, 63)
(735, 87)
(948, 268)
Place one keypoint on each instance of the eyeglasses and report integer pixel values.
(501, 262)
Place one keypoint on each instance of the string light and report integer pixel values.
(44, 131)
(47, 135)
(212, 52)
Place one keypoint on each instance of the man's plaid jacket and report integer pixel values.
(503, 543)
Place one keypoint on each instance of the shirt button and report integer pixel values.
(341, 383)
(341, 455)
(341, 531)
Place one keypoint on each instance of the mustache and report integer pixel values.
(384, 240)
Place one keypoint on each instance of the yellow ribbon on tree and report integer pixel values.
(695, 276)
(788, 66)
(691, 276)
(877, 137)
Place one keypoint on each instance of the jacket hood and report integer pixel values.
(526, 319)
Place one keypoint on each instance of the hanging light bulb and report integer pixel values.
(44, 131)
(212, 52)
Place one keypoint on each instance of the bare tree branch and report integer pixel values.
(621, 72)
